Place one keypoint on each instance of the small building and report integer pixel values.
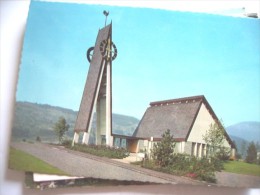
(188, 119)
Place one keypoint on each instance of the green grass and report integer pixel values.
(242, 168)
(22, 161)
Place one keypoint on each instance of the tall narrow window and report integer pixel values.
(203, 150)
(193, 148)
(198, 150)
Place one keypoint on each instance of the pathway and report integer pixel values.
(86, 165)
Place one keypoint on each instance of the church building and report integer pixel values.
(188, 119)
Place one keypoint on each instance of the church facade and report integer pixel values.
(188, 119)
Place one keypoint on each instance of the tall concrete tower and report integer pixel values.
(97, 95)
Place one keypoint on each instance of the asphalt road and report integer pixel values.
(237, 180)
(79, 164)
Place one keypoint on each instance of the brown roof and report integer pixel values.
(90, 90)
(174, 115)
(177, 115)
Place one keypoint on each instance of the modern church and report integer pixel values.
(187, 118)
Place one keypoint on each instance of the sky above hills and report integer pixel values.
(161, 55)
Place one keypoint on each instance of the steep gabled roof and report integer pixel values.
(177, 115)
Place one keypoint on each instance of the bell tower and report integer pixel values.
(97, 94)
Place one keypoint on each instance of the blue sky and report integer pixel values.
(161, 55)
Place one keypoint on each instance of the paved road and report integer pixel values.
(237, 180)
(78, 164)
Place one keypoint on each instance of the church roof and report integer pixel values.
(177, 115)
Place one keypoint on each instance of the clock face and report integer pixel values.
(90, 53)
(108, 49)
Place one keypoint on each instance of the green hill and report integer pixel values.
(32, 120)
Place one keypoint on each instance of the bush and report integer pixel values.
(185, 165)
(100, 150)
(223, 154)
(38, 139)
(203, 169)
(217, 164)
(67, 143)
(180, 164)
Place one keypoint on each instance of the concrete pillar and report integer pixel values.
(233, 152)
(85, 138)
(98, 133)
(109, 138)
(111, 141)
(75, 138)
(104, 110)
(199, 145)
(101, 119)
(182, 147)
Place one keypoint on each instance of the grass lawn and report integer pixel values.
(22, 161)
(242, 168)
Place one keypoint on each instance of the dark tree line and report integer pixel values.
(251, 156)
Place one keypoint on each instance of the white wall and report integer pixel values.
(201, 125)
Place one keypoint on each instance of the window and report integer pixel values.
(193, 149)
(123, 143)
(198, 150)
(117, 142)
(203, 152)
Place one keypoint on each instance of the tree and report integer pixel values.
(251, 153)
(243, 149)
(163, 150)
(257, 145)
(38, 139)
(60, 128)
(215, 138)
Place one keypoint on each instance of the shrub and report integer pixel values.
(100, 150)
(38, 139)
(192, 167)
(67, 143)
(203, 169)
(180, 163)
(185, 165)
(217, 164)
(223, 154)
